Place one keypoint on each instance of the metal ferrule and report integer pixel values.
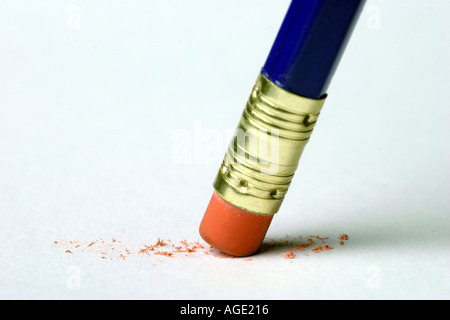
(265, 150)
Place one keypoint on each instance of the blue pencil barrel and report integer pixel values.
(310, 43)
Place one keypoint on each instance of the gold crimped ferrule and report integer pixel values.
(264, 153)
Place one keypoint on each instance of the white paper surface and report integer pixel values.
(98, 98)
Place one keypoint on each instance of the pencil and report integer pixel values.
(277, 123)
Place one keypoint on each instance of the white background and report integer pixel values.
(95, 94)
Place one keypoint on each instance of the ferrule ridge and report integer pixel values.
(264, 153)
